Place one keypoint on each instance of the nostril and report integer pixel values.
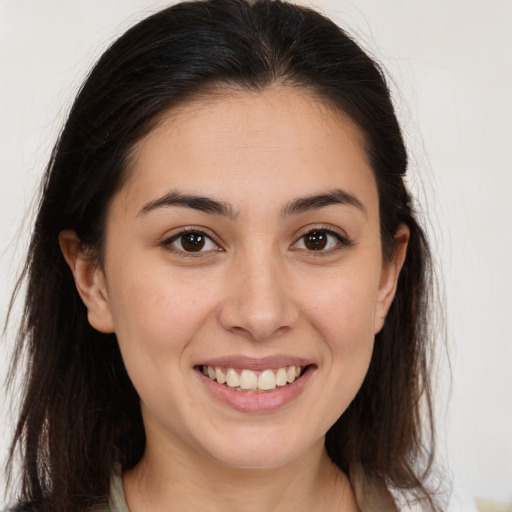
(259, 332)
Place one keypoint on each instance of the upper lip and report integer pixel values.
(256, 363)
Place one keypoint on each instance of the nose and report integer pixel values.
(258, 303)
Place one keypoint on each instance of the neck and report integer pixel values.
(188, 480)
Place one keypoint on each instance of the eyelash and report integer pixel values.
(342, 242)
(168, 242)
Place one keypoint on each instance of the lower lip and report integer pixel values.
(257, 402)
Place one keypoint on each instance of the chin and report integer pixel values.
(261, 451)
(262, 460)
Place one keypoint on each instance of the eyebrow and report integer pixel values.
(317, 201)
(201, 203)
(212, 206)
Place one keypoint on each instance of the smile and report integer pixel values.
(255, 385)
(249, 381)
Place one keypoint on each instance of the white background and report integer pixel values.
(451, 64)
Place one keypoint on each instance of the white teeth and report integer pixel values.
(232, 378)
(248, 380)
(221, 378)
(267, 380)
(281, 377)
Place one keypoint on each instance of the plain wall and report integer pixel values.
(451, 68)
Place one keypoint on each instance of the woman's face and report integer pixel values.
(245, 246)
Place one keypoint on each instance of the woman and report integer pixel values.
(227, 288)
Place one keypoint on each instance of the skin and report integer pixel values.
(256, 290)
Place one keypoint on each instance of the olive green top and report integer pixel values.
(117, 501)
(369, 497)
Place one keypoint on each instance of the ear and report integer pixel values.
(389, 277)
(89, 279)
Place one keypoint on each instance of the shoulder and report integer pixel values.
(117, 500)
(112, 506)
(370, 496)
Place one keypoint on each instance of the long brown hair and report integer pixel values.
(80, 413)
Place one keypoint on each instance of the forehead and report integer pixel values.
(238, 144)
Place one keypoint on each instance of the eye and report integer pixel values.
(191, 241)
(319, 240)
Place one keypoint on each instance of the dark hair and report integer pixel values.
(80, 413)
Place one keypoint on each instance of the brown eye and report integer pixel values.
(315, 240)
(192, 241)
(321, 240)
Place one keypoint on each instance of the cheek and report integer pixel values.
(344, 315)
(155, 315)
(155, 320)
(343, 310)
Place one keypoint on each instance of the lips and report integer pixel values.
(251, 385)
(246, 380)
(240, 362)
